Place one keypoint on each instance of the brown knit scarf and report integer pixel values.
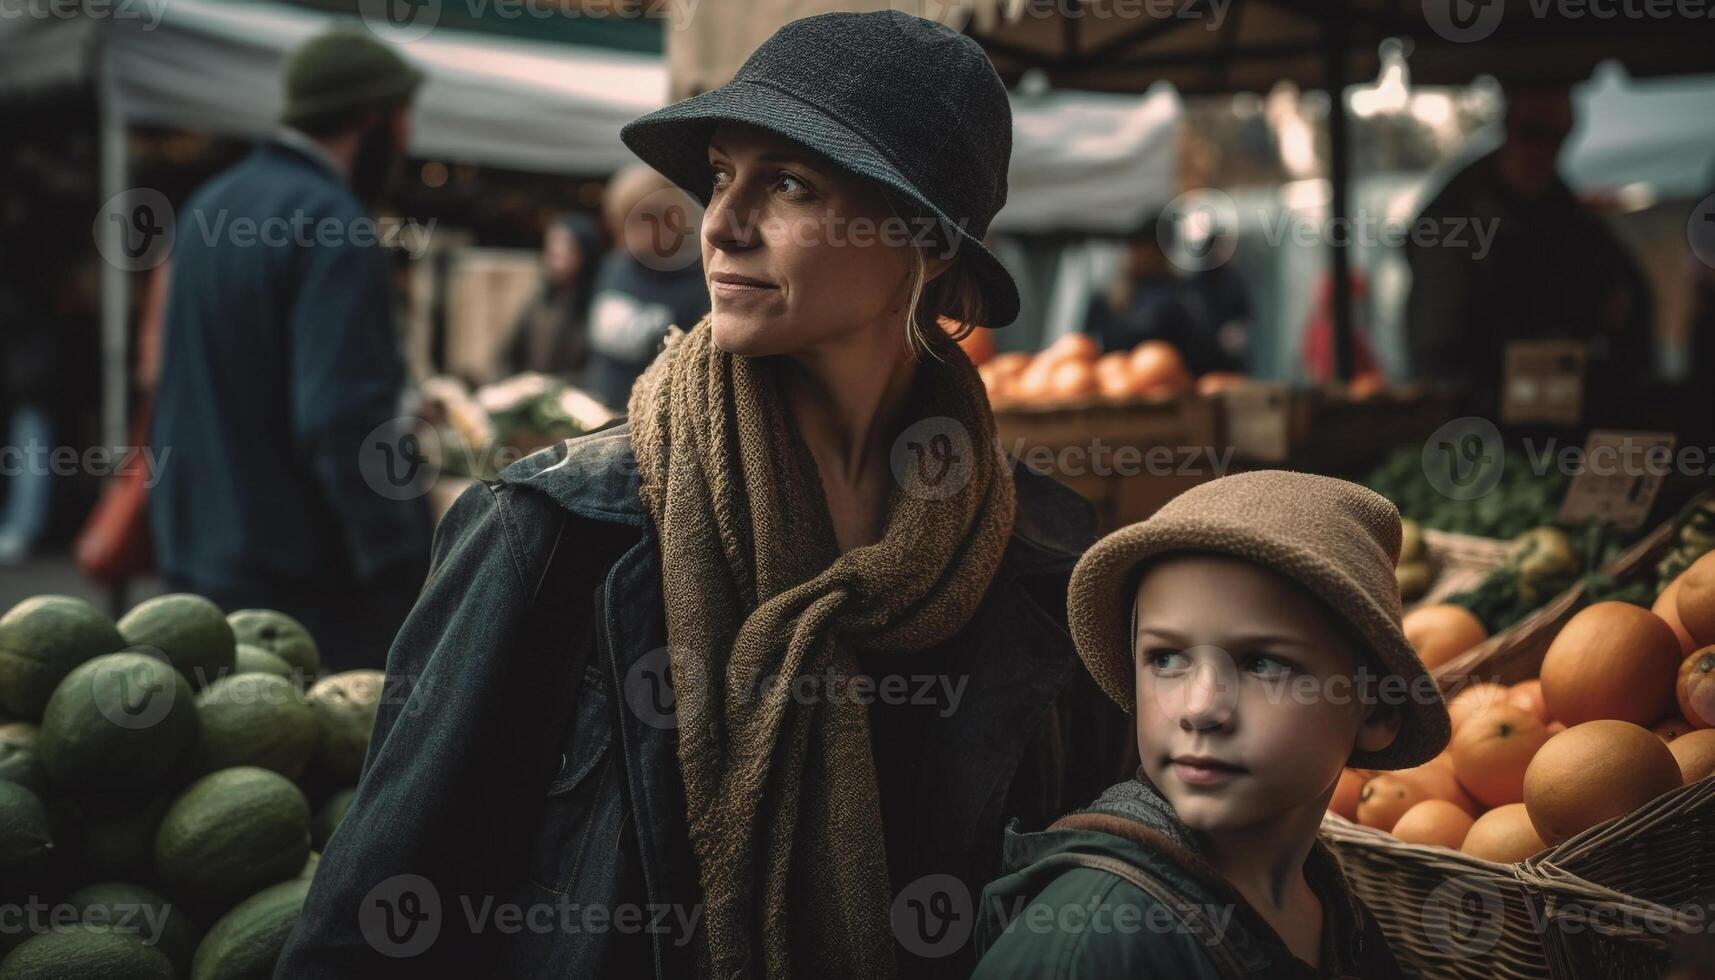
(781, 789)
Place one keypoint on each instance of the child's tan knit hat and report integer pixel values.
(1337, 539)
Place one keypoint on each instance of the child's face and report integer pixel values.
(1241, 668)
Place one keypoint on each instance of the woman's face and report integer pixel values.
(796, 252)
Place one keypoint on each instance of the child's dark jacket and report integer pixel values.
(1069, 921)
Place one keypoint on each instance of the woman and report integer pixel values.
(805, 524)
(550, 334)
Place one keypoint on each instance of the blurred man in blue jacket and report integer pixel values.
(281, 368)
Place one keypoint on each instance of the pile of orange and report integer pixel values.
(1074, 371)
(1622, 712)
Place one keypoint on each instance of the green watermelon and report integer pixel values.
(255, 660)
(278, 634)
(41, 640)
(254, 720)
(231, 833)
(247, 941)
(112, 840)
(117, 723)
(345, 706)
(20, 761)
(132, 908)
(86, 952)
(25, 840)
(190, 631)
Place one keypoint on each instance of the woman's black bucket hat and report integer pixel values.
(897, 99)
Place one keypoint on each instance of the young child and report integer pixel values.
(1253, 627)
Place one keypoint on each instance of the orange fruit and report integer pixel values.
(1074, 346)
(1113, 377)
(1503, 835)
(1556, 727)
(1667, 607)
(1671, 728)
(1072, 380)
(1366, 385)
(1695, 689)
(1033, 383)
(1216, 382)
(1696, 601)
(1444, 760)
(1439, 783)
(1612, 660)
(1528, 695)
(1594, 772)
(1384, 799)
(1157, 369)
(999, 386)
(1695, 753)
(1474, 699)
(1345, 801)
(1010, 364)
(1435, 822)
(1441, 632)
(1492, 751)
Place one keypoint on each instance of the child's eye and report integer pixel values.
(1164, 660)
(1267, 664)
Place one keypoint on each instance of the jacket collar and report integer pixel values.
(595, 476)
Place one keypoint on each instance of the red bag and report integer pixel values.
(114, 543)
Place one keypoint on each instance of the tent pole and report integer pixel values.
(1339, 183)
(115, 283)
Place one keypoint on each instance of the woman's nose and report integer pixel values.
(728, 222)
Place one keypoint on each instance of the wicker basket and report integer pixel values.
(1462, 562)
(1607, 903)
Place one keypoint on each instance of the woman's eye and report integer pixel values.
(1262, 663)
(792, 186)
(1164, 661)
(721, 178)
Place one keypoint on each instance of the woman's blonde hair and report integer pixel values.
(954, 295)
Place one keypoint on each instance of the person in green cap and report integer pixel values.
(280, 364)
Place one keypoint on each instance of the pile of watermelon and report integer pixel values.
(167, 783)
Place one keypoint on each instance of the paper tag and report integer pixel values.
(1259, 421)
(1544, 382)
(1618, 477)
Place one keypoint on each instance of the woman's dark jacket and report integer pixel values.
(521, 799)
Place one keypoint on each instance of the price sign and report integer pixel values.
(1544, 382)
(1618, 477)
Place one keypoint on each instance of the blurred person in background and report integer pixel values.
(1552, 271)
(1148, 300)
(1317, 346)
(280, 363)
(651, 280)
(550, 334)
